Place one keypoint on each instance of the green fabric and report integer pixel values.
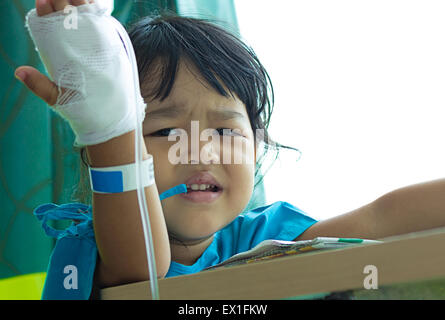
(219, 11)
(38, 163)
(128, 12)
(27, 170)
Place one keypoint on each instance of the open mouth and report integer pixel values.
(203, 188)
(202, 193)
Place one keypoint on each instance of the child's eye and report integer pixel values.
(171, 131)
(163, 132)
(227, 131)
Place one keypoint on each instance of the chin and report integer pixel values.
(191, 228)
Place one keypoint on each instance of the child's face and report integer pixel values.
(187, 220)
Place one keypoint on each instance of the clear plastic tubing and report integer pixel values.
(138, 159)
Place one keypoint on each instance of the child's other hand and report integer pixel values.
(37, 82)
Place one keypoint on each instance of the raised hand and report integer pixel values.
(37, 82)
(93, 82)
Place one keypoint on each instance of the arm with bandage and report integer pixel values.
(92, 87)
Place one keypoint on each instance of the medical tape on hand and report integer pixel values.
(92, 64)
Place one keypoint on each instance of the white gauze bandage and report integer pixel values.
(91, 60)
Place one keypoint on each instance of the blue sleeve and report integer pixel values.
(280, 221)
(72, 262)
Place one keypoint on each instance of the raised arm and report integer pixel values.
(117, 221)
(409, 209)
(96, 117)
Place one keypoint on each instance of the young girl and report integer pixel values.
(191, 71)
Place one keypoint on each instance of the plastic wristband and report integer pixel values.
(121, 178)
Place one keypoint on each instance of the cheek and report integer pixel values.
(238, 157)
(242, 166)
(241, 186)
(242, 177)
(236, 150)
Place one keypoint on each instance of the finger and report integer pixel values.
(39, 84)
(60, 4)
(43, 7)
(78, 2)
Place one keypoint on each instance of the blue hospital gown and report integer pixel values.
(76, 245)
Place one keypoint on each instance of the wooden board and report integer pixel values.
(409, 258)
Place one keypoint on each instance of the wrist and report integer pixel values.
(116, 151)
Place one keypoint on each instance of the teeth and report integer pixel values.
(201, 187)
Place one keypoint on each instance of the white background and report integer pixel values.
(360, 90)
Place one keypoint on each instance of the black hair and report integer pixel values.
(221, 58)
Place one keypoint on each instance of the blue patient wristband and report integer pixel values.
(121, 178)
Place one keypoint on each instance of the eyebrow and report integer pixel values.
(172, 111)
(175, 111)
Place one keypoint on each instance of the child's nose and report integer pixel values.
(209, 153)
(205, 152)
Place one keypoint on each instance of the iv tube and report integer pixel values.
(138, 158)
